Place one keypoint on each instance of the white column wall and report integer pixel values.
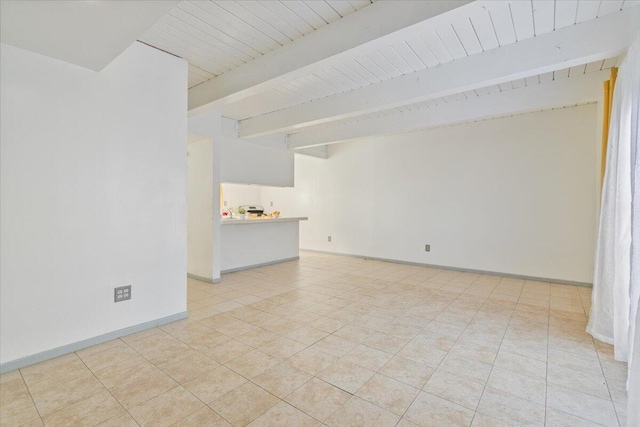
(208, 125)
(93, 196)
(199, 207)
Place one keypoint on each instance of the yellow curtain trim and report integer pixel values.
(609, 85)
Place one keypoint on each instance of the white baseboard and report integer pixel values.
(465, 270)
(70, 348)
(202, 278)
(264, 264)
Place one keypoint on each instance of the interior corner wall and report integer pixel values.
(208, 125)
(512, 195)
(93, 196)
(200, 208)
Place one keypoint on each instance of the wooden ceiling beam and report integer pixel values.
(579, 44)
(377, 25)
(559, 93)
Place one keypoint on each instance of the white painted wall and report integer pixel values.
(283, 199)
(242, 194)
(514, 195)
(208, 125)
(83, 31)
(200, 207)
(247, 244)
(260, 162)
(224, 157)
(93, 188)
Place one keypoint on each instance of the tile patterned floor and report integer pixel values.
(341, 341)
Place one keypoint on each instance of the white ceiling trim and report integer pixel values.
(372, 27)
(582, 43)
(572, 91)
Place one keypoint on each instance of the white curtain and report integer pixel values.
(630, 107)
(633, 399)
(611, 309)
(616, 286)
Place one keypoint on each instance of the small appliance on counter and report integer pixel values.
(254, 211)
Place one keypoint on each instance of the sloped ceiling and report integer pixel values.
(323, 71)
(85, 33)
(329, 71)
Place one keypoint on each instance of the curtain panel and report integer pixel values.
(616, 287)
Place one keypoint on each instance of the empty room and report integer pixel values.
(292, 213)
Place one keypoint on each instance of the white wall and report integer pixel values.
(242, 194)
(247, 244)
(208, 125)
(283, 199)
(261, 161)
(93, 188)
(514, 195)
(200, 207)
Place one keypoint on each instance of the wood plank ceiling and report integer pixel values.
(533, 81)
(218, 36)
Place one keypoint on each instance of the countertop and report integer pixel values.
(247, 221)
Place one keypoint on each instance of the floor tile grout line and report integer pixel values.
(457, 291)
(436, 368)
(208, 404)
(578, 417)
(220, 415)
(81, 400)
(493, 364)
(33, 402)
(251, 380)
(108, 391)
(615, 409)
(188, 391)
(150, 362)
(352, 394)
(300, 409)
(422, 389)
(546, 385)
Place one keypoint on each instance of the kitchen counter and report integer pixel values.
(262, 242)
(247, 221)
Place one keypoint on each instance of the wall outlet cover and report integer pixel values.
(427, 248)
(122, 293)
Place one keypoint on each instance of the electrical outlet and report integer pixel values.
(225, 203)
(122, 293)
(271, 204)
(328, 238)
(427, 248)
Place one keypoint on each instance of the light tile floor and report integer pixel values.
(341, 341)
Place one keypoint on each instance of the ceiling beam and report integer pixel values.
(559, 93)
(594, 40)
(377, 25)
(321, 151)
